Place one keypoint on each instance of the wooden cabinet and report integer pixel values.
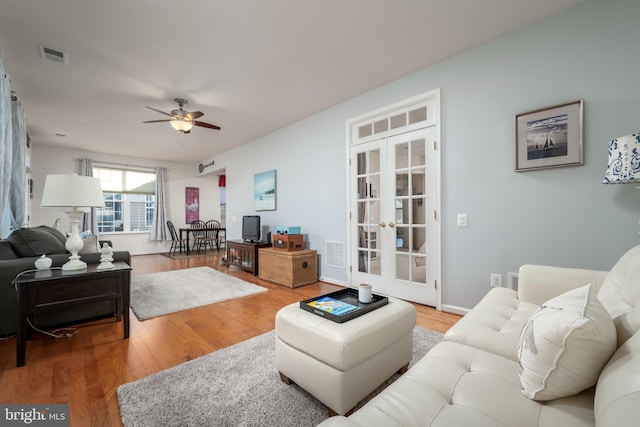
(244, 255)
(292, 269)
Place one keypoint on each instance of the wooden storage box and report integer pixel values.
(290, 269)
(288, 242)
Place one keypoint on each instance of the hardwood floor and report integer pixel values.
(85, 371)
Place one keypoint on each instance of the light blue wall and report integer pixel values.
(562, 216)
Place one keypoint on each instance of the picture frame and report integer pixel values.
(264, 191)
(192, 207)
(549, 137)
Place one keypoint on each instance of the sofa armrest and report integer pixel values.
(539, 283)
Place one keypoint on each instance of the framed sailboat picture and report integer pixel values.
(264, 191)
(549, 137)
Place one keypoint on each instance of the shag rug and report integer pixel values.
(158, 294)
(235, 386)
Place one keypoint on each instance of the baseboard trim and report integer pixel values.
(332, 281)
(455, 309)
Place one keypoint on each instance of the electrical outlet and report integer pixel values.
(496, 280)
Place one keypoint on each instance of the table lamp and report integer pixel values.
(73, 192)
(623, 166)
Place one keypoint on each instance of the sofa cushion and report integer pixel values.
(458, 385)
(6, 250)
(565, 344)
(616, 400)
(36, 241)
(494, 324)
(55, 233)
(619, 292)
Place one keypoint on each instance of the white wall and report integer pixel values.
(47, 160)
(562, 216)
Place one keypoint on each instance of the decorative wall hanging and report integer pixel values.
(549, 137)
(264, 191)
(192, 210)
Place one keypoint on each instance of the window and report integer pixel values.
(129, 199)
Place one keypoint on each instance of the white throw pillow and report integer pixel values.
(565, 344)
(90, 245)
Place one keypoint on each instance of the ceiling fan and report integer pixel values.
(182, 120)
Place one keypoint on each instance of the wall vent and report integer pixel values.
(54, 55)
(335, 254)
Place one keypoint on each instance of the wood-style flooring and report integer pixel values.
(86, 370)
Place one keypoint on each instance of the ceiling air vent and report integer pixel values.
(55, 55)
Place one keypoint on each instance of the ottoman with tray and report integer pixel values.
(341, 363)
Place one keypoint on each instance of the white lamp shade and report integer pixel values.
(624, 160)
(72, 191)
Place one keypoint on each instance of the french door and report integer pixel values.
(393, 225)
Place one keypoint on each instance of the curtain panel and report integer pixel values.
(89, 220)
(18, 189)
(158, 228)
(6, 146)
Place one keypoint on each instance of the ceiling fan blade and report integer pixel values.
(194, 115)
(157, 121)
(206, 125)
(158, 111)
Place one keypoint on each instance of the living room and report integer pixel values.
(485, 86)
(560, 216)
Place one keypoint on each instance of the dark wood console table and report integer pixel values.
(244, 255)
(54, 290)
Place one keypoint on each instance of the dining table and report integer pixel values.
(189, 230)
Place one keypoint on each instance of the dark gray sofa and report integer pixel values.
(18, 253)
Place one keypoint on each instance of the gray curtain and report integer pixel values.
(6, 145)
(89, 220)
(18, 192)
(159, 229)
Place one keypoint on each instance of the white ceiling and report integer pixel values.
(252, 66)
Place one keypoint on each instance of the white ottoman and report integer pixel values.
(341, 363)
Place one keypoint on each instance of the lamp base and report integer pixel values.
(74, 243)
(74, 264)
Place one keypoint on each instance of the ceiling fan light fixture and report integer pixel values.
(181, 125)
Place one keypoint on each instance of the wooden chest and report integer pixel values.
(290, 269)
(288, 242)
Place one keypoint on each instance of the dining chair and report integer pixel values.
(213, 227)
(176, 242)
(197, 235)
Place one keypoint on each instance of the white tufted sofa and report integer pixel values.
(472, 377)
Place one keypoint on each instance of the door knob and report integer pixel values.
(392, 224)
(382, 224)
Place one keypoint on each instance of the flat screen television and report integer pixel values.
(251, 228)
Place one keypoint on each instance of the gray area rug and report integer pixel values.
(158, 294)
(235, 386)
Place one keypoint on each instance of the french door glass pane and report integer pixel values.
(368, 207)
